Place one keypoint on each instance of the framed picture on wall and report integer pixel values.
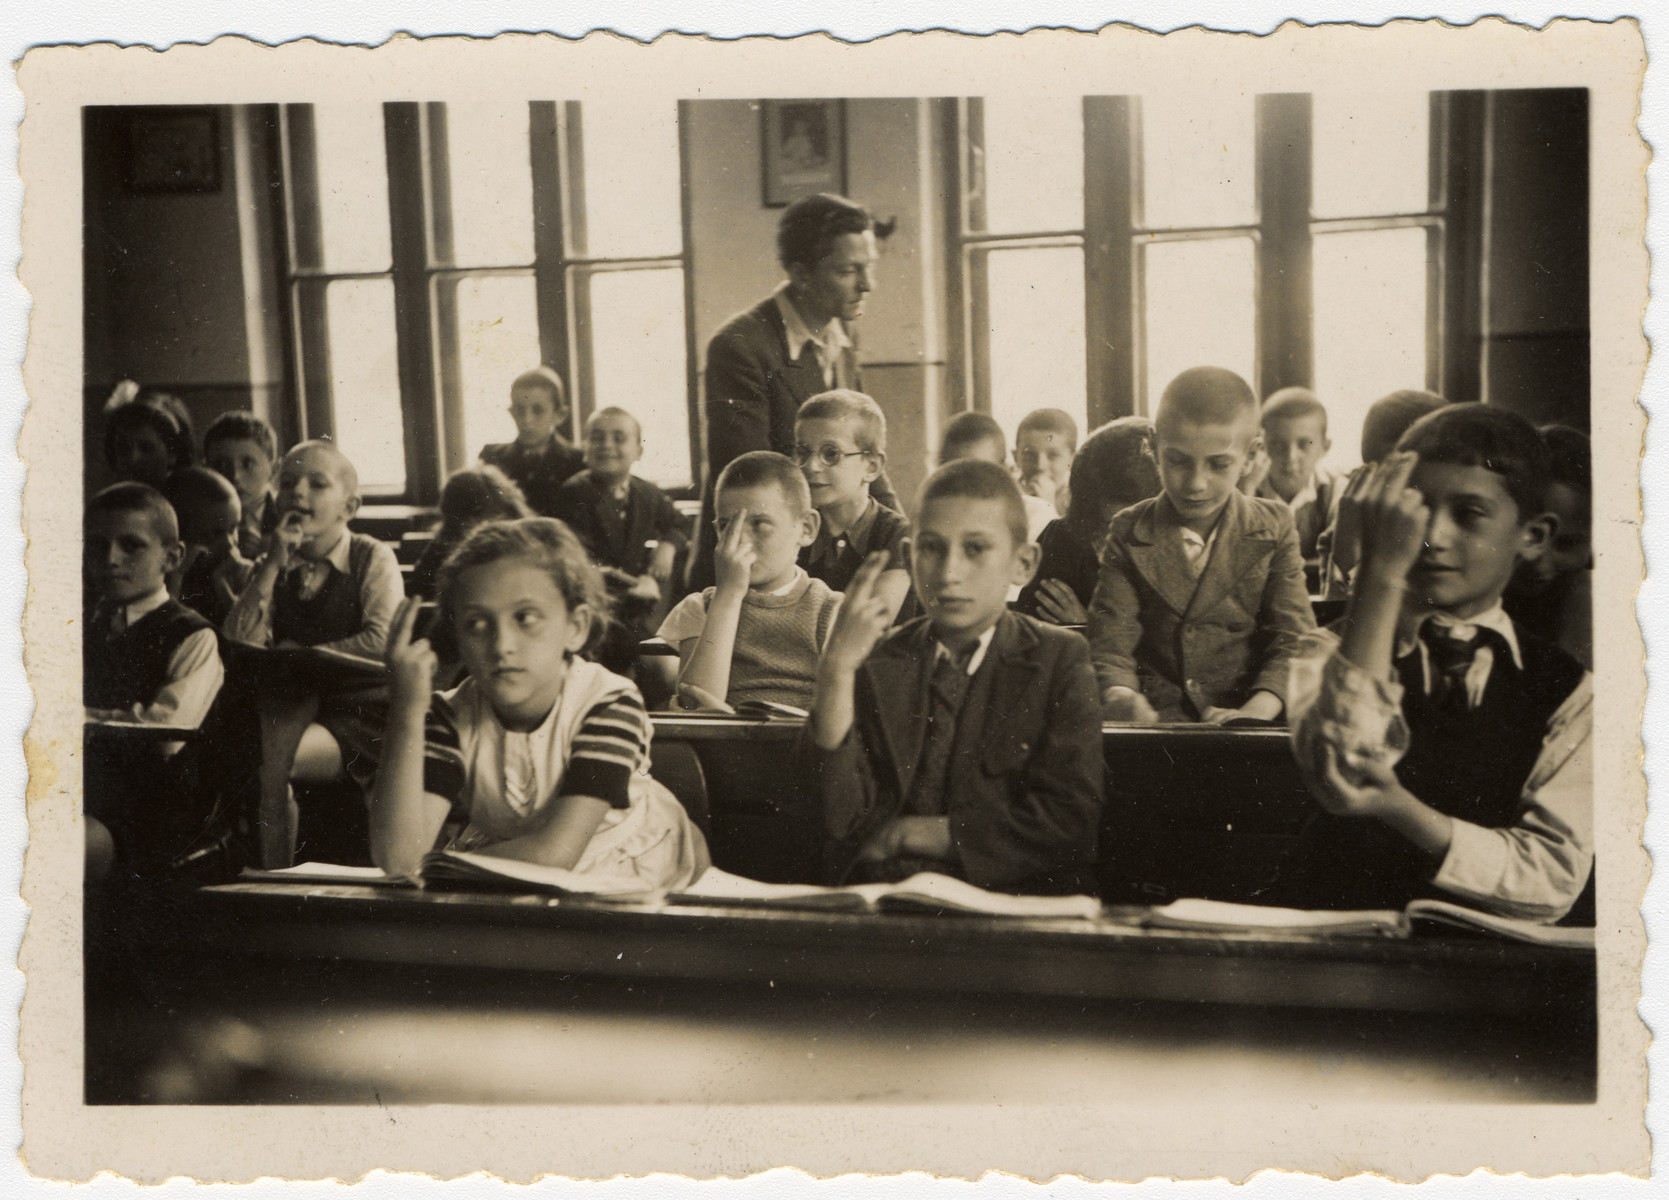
(805, 149)
(174, 150)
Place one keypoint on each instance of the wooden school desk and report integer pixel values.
(308, 992)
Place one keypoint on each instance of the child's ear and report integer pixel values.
(1027, 557)
(352, 506)
(809, 525)
(173, 557)
(873, 462)
(580, 618)
(1536, 536)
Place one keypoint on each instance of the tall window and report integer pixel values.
(1294, 239)
(437, 251)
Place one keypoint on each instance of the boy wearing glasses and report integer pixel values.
(840, 443)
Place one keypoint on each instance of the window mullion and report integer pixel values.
(1111, 181)
(548, 136)
(410, 166)
(1284, 300)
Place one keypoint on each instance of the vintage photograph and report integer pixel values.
(882, 598)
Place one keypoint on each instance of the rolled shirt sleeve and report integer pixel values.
(380, 592)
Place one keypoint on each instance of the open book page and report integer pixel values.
(1222, 915)
(1525, 931)
(925, 892)
(319, 872)
(723, 888)
(462, 867)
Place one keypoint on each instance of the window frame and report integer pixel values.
(1283, 232)
(425, 278)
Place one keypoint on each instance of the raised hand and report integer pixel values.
(411, 664)
(735, 555)
(285, 538)
(1347, 526)
(1058, 604)
(864, 618)
(1042, 485)
(1393, 518)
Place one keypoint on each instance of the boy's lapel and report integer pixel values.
(1243, 536)
(1155, 549)
(896, 670)
(1002, 686)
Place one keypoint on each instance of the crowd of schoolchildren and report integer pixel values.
(956, 665)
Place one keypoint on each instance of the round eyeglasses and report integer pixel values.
(828, 455)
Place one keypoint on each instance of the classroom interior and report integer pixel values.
(378, 273)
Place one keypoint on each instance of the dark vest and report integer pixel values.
(333, 613)
(1468, 765)
(131, 668)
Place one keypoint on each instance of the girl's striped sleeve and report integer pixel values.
(612, 741)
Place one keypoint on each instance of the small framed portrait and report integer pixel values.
(174, 150)
(805, 149)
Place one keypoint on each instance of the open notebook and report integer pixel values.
(922, 893)
(1238, 918)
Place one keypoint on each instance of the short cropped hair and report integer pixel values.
(615, 411)
(1050, 420)
(976, 479)
(344, 464)
(190, 488)
(767, 468)
(241, 425)
(970, 429)
(1113, 470)
(1207, 396)
(544, 377)
(1487, 436)
(1389, 418)
(1294, 404)
(869, 423)
(1569, 458)
(810, 225)
(542, 542)
(162, 412)
(136, 498)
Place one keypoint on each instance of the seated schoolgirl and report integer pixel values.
(539, 755)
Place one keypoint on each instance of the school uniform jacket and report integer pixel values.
(586, 504)
(753, 391)
(539, 473)
(1151, 628)
(1024, 786)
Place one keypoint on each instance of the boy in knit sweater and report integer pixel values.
(756, 636)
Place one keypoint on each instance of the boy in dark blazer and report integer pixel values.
(1201, 599)
(540, 460)
(967, 742)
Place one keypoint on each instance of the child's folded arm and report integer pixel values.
(380, 593)
(195, 674)
(1333, 703)
(1537, 867)
(1115, 621)
(1284, 616)
(250, 620)
(1049, 832)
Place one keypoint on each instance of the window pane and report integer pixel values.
(498, 339)
(491, 184)
(1200, 310)
(1037, 333)
(353, 186)
(1197, 159)
(1372, 152)
(365, 380)
(1034, 163)
(632, 187)
(637, 339)
(1370, 326)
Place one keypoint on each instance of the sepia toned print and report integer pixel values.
(912, 613)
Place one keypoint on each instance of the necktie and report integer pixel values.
(946, 694)
(1452, 650)
(115, 622)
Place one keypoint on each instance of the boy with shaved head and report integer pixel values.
(317, 584)
(1201, 598)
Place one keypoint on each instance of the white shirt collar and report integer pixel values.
(146, 605)
(1494, 618)
(978, 657)
(829, 341)
(793, 582)
(337, 556)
